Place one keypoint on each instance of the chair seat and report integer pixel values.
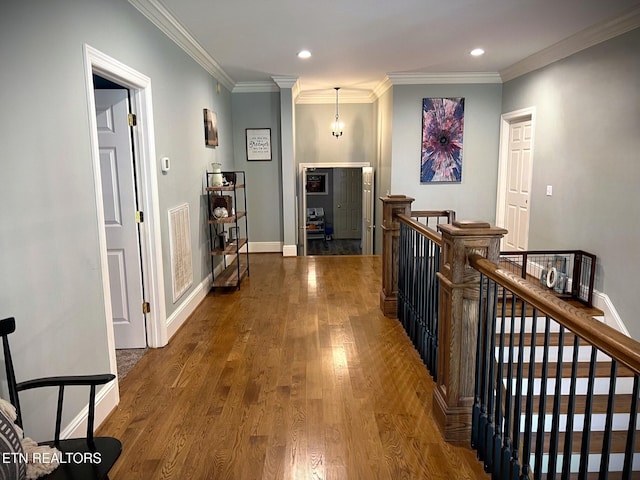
(97, 464)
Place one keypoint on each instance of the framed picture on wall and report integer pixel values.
(316, 183)
(210, 128)
(258, 144)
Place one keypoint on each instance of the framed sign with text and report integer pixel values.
(258, 144)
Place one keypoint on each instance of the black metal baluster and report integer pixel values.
(526, 446)
(586, 427)
(490, 321)
(424, 315)
(631, 432)
(606, 441)
(401, 272)
(506, 449)
(542, 401)
(517, 411)
(497, 437)
(475, 416)
(429, 307)
(436, 302)
(571, 408)
(417, 284)
(555, 421)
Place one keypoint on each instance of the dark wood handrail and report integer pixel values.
(421, 228)
(609, 340)
(449, 214)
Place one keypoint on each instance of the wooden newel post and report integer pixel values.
(458, 324)
(391, 205)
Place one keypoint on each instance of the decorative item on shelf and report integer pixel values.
(220, 212)
(216, 178)
(228, 178)
(554, 275)
(221, 206)
(337, 126)
(234, 234)
(222, 240)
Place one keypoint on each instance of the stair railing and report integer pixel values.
(418, 286)
(533, 416)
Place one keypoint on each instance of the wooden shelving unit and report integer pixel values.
(228, 229)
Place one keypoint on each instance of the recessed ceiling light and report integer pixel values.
(476, 52)
(304, 54)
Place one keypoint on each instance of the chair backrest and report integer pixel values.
(8, 326)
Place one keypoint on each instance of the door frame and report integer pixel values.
(139, 86)
(302, 196)
(506, 119)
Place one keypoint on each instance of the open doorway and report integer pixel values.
(336, 209)
(147, 250)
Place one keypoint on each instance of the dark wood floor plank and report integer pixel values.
(297, 375)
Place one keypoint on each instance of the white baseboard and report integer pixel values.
(265, 247)
(289, 250)
(611, 316)
(107, 398)
(186, 308)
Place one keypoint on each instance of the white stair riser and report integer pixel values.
(624, 386)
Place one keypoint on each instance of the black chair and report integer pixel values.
(102, 452)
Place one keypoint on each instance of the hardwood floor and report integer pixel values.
(297, 375)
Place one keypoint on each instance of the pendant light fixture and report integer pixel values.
(336, 127)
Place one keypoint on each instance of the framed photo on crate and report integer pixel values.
(258, 144)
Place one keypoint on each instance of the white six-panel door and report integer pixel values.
(119, 200)
(518, 191)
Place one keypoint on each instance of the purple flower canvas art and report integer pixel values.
(442, 128)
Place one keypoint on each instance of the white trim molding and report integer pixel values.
(503, 156)
(265, 247)
(417, 78)
(188, 306)
(582, 40)
(162, 18)
(289, 250)
(150, 236)
(256, 87)
(107, 398)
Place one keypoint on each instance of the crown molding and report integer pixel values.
(418, 78)
(346, 96)
(255, 87)
(167, 23)
(582, 40)
(382, 87)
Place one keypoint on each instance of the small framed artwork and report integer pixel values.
(258, 144)
(316, 184)
(210, 128)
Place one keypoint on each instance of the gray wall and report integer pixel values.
(587, 145)
(49, 253)
(475, 197)
(315, 144)
(384, 120)
(264, 179)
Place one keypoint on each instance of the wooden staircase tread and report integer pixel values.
(622, 404)
(592, 311)
(602, 370)
(618, 442)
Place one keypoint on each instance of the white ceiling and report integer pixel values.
(356, 44)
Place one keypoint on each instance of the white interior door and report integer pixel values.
(347, 203)
(119, 200)
(518, 191)
(367, 210)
